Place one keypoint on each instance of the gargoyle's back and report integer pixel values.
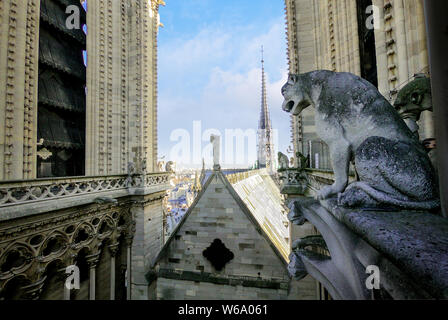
(348, 99)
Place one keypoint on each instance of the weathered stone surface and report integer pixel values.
(358, 123)
(410, 249)
(416, 242)
(296, 268)
(295, 214)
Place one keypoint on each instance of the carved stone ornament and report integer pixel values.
(44, 153)
(412, 100)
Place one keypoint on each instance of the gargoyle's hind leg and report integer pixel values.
(391, 173)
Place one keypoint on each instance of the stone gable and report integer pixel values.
(220, 214)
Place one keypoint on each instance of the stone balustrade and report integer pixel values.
(17, 196)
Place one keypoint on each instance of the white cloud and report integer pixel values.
(216, 77)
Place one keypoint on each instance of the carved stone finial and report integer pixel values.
(215, 140)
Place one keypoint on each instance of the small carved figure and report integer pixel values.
(303, 161)
(131, 171)
(160, 165)
(169, 167)
(358, 123)
(131, 168)
(283, 161)
(412, 100)
(144, 166)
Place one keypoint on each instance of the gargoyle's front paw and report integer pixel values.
(324, 193)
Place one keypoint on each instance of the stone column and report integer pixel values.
(113, 248)
(66, 293)
(92, 261)
(62, 277)
(437, 37)
(129, 240)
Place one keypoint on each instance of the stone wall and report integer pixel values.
(168, 289)
(305, 289)
(147, 242)
(121, 111)
(19, 50)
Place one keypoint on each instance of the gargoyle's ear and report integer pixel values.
(416, 98)
(292, 78)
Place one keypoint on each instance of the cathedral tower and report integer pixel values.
(265, 144)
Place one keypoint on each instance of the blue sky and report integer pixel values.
(209, 69)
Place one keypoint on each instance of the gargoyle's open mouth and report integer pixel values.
(288, 105)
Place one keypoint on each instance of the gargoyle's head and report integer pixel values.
(295, 99)
(414, 98)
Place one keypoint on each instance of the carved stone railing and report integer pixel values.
(409, 248)
(13, 193)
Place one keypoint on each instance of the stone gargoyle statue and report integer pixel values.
(283, 161)
(303, 161)
(360, 125)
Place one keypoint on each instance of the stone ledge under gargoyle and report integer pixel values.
(409, 247)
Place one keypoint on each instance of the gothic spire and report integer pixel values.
(265, 145)
(265, 122)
